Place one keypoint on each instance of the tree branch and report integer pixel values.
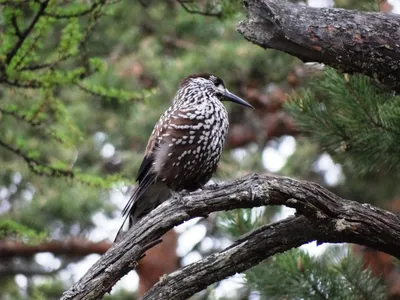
(348, 40)
(191, 7)
(28, 269)
(22, 36)
(69, 247)
(36, 166)
(326, 218)
(242, 255)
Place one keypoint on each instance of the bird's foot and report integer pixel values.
(179, 195)
(184, 193)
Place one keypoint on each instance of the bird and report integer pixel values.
(185, 146)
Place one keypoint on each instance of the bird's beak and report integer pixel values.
(233, 98)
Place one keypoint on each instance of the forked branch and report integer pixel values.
(321, 216)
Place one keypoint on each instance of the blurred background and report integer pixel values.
(82, 84)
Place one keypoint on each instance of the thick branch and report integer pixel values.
(242, 255)
(348, 40)
(70, 247)
(331, 219)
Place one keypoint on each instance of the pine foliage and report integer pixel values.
(34, 67)
(77, 76)
(352, 118)
(296, 275)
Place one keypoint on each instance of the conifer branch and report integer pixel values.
(321, 216)
(82, 13)
(347, 40)
(36, 166)
(22, 36)
(14, 23)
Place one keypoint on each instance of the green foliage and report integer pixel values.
(78, 76)
(240, 221)
(353, 119)
(10, 228)
(296, 275)
(362, 5)
(47, 290)
(33, 93)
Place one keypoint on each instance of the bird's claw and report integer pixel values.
(179, 195)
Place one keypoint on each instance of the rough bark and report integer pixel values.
(351, 41)
(321, 216)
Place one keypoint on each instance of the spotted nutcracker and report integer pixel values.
(185, 146)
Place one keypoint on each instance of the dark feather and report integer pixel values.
(129, 208)
(143, 185)
(145, 167)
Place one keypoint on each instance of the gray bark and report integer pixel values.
(352, 41)
(321, 216)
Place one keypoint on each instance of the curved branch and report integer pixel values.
(242, 255)
(326, 217)
(348, 40)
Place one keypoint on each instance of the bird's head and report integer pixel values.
(208, 85)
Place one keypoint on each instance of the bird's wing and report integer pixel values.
(146, 175)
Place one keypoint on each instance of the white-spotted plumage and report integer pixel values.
(185, 145)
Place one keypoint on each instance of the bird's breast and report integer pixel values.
(191, 147)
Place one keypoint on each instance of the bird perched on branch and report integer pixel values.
(185, 146)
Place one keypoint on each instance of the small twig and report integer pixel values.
(36, 166)
(32, 84)
(16, 27)
(74, 15)
(46, 65)
(9, 268)
(34, 123)
(208, 12)
(27, 31)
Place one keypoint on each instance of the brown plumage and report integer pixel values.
(185, 145)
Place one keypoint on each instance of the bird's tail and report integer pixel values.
(141, 204)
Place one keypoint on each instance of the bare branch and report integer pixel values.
(348, 40)
(69, 247)
(243, 254)
(14, 23)
(10, 268)
(191, 7)
(326, 218)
